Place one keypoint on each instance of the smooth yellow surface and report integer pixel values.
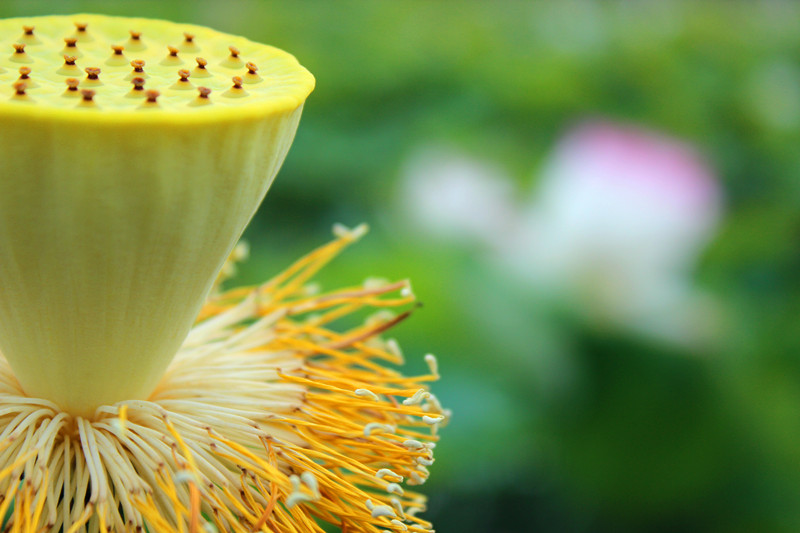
(115, 216)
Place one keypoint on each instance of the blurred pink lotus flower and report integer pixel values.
(457, 198)
(617, 223)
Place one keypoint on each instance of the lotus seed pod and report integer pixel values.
(120, 196)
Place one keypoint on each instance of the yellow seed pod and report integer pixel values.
(122, 193)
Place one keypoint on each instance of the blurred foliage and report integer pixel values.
(558, 426)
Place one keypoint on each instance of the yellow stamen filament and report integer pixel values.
(255, 427)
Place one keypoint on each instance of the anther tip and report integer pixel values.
(237, 82)
(184, 74)
(69, 60)
(88, 95)
(72, 84)
(71, 42)
(234, 51)
(117, 48)
(28, 30)
(188, 37)
(201, 63)
(173, 52)
(92, 73)
(81, 26)
(152, 96)
(252, 68)
(19, 48)
(135, 35)
(204, 92)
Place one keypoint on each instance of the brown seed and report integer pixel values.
(81, 26)
(138, 65)
(184, 74)
(237, 82)
(69, 60)
(201, 63)
(188, 37)
(251, 68)
(138, 84)
(135, 35)
(118, 48)
(19, 48)
(152, 95)
(28, 30)
(204, 92)
(92, 73)
(88, 95)
(173, 52)
(19, 87)
(71, 42)
(24, 73)
(72, 84)
(234, 51)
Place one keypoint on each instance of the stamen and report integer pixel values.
(19, 87)
(138, 84)
(184, 74)
(251, 67)
(204, 92)
(92, 73)
(234, 52)
(152, 96)
(88, 95)
(72, 84)
(135, 35)
(188, 37)
(173, 52)
(138, 65)
(201, 63)
(237, 82)
(19, 48)
(81, 26)
(71, 42)
(69, 60)
(24, 73)
(28, 30)
(118, 48)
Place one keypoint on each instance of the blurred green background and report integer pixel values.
(562, 423)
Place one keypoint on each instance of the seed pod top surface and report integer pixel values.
(106, 53)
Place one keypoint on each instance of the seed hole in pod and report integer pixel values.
(152, 96)
(200, 70)
(236, 91)
(92, 73)
(252, 73)
(19, 88)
